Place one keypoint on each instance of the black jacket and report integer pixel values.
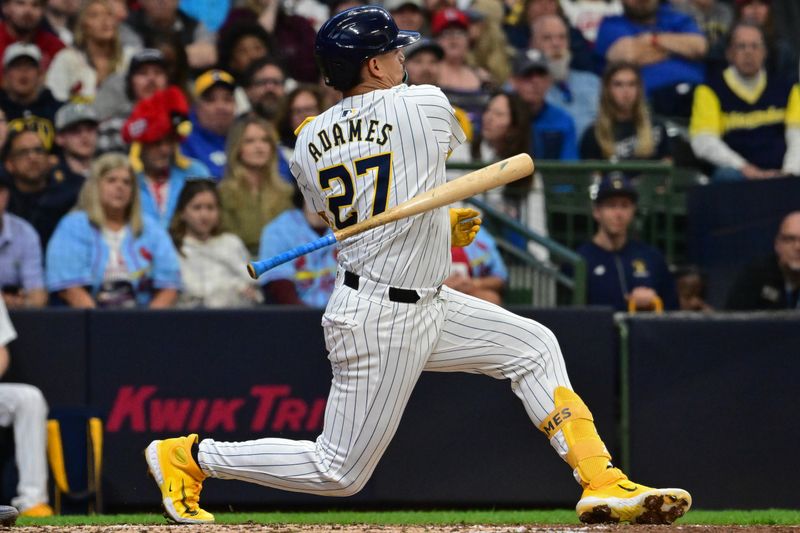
(760, 286)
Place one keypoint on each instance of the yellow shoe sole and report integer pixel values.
(657, 506)
(154, 469)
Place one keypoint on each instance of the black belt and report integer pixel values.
(403, 296)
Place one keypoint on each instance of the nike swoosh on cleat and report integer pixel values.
(627, 489)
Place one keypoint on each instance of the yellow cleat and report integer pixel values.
(180, 479)
(614, 498)
(40, 510)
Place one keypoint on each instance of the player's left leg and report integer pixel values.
(480, 337)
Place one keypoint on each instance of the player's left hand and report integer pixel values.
(464, 224)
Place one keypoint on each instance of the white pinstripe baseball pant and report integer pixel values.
(24, 407)
(377, 349)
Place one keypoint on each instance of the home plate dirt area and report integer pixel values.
(289, 528)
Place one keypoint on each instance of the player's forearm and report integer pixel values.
(77, 297)
(687, 45)
(489, 283)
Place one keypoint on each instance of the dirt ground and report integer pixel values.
(218, 528)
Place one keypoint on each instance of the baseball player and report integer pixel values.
(24, 407)
(389, 317)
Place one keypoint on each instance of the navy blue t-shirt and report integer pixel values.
(613, 275)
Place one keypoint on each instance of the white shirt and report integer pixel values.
(214, 273)
(70, 75)
(400, 140)
(116, 269)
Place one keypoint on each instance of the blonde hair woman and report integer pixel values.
(252, 191)
(106, 253)
(624, 128)
(77, 72)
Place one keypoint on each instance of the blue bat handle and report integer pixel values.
(256, 268)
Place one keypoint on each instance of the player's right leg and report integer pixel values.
(377, 349)
(480, 337)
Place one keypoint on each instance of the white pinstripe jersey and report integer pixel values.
(374, 151)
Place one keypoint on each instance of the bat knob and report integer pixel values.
(251, 271)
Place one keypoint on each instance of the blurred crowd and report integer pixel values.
(145, 143)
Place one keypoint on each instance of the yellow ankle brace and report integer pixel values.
(586, 453)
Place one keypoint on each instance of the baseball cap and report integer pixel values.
(394, 5)
(612, 185)
(211, 78)
(448, 18)
(158, 116)
(19, 49)
(530, 61)
(146, 56)
(424, 45)
(71, 114)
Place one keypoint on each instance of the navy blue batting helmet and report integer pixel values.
(351, 37)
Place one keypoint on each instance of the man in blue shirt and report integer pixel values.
(575, 91)
(623, 271)
(212, 116)
(552, 129)
(667, 46)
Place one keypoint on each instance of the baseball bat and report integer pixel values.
(476, 182)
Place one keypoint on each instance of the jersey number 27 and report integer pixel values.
(381, 163)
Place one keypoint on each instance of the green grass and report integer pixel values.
(496, 517)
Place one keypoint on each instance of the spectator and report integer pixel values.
(574, 91)
(552, 129)
(462, 83)
(163, 16)
(212, 116)
(127, 35)
(38, 194)
(713, 17)
(21, 277)
(61, 15)
(293, 35)
(620, 269)
(478, 269)
(423, 62)
(667, 46)
(264, 82)
(746, 121)
(156, 127)
(22, 21)
(490, 50)
(408, 14)
(253, 192)
(108, 253)
(586, 15)
(624, 128)
(76, 136)
(519, 35)
(242, 43)
(28, 105)
(176, 63)
(147, 73)
(309, 279)
(772, 283)
(505, 131)
(212, 262)
(78, 71)
(302, 102)
(24, 407)
(781, 54)
(691, 286)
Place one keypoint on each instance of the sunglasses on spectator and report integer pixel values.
(23, 152)
(268, 81)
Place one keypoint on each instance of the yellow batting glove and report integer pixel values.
(464, 225)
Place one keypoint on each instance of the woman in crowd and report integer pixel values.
(212, 262)
(240, 44)
(624, 128)
(78, 71)
(301, 102)
(252, 191)
(106, 253)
